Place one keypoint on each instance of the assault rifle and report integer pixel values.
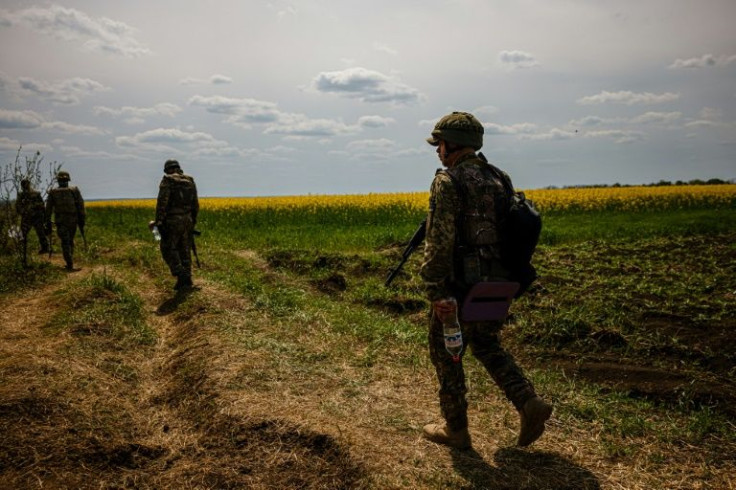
(416, 239)
(194, 246)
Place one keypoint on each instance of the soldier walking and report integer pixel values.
(66, 205)
(177, 208)
(462, 247)
(29, 206)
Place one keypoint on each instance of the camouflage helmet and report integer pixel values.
(171, 164)
(63, 175)
(461, 128)
(25, 184)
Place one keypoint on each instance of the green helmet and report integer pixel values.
(171, 164)
(461, 128)
(63, 175)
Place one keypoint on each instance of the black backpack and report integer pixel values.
(523, 225)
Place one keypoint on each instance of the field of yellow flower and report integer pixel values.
(547, 200)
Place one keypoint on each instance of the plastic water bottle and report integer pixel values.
(156, 234)
(452, 331)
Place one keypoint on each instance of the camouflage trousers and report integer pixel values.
(65, 230)
(35, 223)
(486, 347)
(176, 245)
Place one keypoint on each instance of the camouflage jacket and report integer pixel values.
(463, 219)
(29, 204)
(177, 196)
(65, 203)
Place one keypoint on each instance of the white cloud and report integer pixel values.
(590, 121)
(300, 125)
(657, 118)
(65, 92)
(97, 34)
(517, 59)
(138, 114)
(555, 134)
(375, 121)
(371, 145)
(64, 127)
(705, 61)
(519, 128)
(618, 135)
(220, 79)
(365, 85)
(215, 79)
(20, 119)
(243, 110)
(628, 98)
(9, 144)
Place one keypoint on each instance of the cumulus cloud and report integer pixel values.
(64, 127)
(517, 59)
(65, 92)
(97, 34)
(213, 80)
(365, 85)
(519, 128)
(375, 121)
(220, 79)
(9, 144)
(657, 118)
(20, 119)
(705, 61)
(242, 111)
(589, 121)
(371, 145)
(555, 134)
(299, 125)
(138, 114)
(618, 135)
(628, 98)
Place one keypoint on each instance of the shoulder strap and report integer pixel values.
(500, 174)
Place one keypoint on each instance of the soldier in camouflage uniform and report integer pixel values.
(66, 205)
(462, 244)
(29, 206)
(177, 208)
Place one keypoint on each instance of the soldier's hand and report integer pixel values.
(443, 307)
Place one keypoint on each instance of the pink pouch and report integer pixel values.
(488, 301)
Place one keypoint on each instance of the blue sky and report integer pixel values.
(326, 97)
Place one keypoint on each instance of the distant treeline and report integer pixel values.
(653, 184)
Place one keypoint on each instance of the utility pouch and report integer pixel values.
(488, 301)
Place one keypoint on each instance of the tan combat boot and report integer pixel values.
(533, 416)
(441, 434)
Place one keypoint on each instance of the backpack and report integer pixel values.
(523, 225)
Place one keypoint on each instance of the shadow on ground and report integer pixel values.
(522, 469)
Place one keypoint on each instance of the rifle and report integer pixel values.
(194, 246)
(416, 239)
(84, 237)
(51, 236)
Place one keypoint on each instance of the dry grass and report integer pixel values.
(228, 397)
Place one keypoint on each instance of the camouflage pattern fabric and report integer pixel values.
(66, 205)
(485, 345)
(29, 206)
(177, 208)
(462, 214)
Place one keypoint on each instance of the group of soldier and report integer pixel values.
(465, 219)
(64, 205)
